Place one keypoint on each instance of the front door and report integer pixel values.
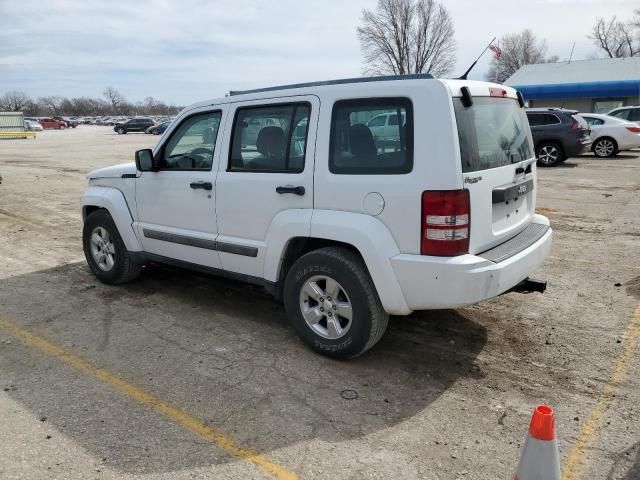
(176, 205)
(265, 180)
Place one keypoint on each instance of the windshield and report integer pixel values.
(493, 132)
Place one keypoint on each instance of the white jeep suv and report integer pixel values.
(289, 188)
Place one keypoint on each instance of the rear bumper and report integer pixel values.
(578, 148)
(453, 282)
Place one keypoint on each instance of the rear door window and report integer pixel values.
(363, 142)
(493, 132)
(270, 138)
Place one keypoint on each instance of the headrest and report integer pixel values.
(271, 142)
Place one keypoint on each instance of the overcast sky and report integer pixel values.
(183, 51)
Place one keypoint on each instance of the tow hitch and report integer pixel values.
(530, 285)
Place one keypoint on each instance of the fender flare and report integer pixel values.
(376, 245)
(114, 202)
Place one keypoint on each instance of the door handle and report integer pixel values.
(202, 185)
(295, 190)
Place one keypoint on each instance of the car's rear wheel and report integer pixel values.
(105, 251)
(605, 147)
(332, 303)
(120, 131)
(549, 154)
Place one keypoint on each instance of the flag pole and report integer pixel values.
(464, 76)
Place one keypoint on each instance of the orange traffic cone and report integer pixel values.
(540, 459)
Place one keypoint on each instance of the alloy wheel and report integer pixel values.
(102, 249)
(326, 307)
(604, 148)
(548, 155)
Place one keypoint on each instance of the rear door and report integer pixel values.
(498, 168)
(265, 179)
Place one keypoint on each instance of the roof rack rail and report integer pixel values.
(381, 78)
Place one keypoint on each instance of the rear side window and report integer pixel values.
(493, 133)
(538, 119)
(634, 116)
(363, 142)
(594, 121)
(270, 138)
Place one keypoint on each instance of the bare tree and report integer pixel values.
(51, 105)
(518, 49)
(617, 38)
(115, 98)
(407, 36)
(14, 101)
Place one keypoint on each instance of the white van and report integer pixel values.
(289, 188)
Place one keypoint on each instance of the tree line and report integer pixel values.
(112, 103)
(417, 36)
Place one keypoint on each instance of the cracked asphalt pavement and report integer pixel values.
(445, 394)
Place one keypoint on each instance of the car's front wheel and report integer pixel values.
(549, 154)
(105, 251)
(120, 131)
(332, 303)
(605, 147)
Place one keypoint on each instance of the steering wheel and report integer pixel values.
(201, 151)
(179, 156)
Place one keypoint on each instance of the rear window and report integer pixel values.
(494, 132)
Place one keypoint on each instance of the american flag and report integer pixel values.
(495, 49)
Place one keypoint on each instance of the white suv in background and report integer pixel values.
(289, 188)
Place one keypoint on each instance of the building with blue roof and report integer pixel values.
(596, 86)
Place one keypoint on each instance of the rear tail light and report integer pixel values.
(634, 129)
(575, 126)
(445, 224)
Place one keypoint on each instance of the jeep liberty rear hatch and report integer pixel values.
(498, 166)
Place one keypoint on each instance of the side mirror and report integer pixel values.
(145, 161)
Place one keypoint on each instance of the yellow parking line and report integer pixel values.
(575, 464)
(223, 441)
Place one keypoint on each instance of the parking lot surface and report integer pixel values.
(180, 375)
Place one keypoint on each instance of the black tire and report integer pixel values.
(121, 131)
(369, 320)
(605, 147)
(549, 154)
(125, 268)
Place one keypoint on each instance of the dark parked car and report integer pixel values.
(69, 122)
(557, 134)
(158, 129)
(133, 125)
(631, 114)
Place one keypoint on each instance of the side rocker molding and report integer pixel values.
(114, 202)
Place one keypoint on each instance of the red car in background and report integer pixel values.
(52, 123)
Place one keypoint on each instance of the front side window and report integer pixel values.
(492, 133)
(192, 145)
(270, 138)
(363, 142)
(622, 114)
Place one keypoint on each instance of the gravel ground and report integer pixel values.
(446, 394)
